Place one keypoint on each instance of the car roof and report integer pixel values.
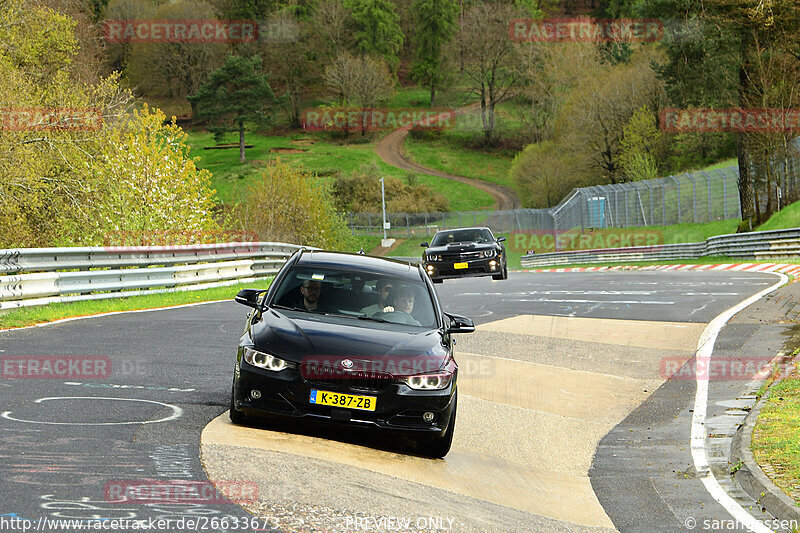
(368, 264)
(463, 229)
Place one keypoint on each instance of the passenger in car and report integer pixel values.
(384, 287)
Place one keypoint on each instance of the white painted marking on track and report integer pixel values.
(551, 300)
(705, 348)
(176, 412)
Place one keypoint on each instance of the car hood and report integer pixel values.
(298, 339)
(461, 247)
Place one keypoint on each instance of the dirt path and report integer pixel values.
(390, 149)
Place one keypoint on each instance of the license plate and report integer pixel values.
(460, 265)
(348, 401)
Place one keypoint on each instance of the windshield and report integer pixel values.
(370, 297)
(462, 235)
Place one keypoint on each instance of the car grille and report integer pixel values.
(463, 256)
(362, 380)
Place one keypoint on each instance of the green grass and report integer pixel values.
(28, 316)
(788, 217)
(448, 154)
(776, 437)
(732, 162)
(321, 155)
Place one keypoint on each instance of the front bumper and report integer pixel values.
(286, 394)
(489, 266)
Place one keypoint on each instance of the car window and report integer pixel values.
(358, 296)
(461, 236)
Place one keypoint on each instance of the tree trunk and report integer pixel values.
(743, 152)
(242, 158)
(433, 94)
(745, 180)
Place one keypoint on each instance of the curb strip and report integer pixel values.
(789, 269)
(750, 476)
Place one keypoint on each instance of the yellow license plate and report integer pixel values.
(460, 265)
(348, 401)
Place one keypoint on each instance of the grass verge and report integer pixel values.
(28, 316)
(317, 153)
(776, 437)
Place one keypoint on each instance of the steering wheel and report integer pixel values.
(398, 317)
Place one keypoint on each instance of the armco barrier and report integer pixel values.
(40, 276)
(754, 245)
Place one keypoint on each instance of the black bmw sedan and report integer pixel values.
(463, 252)
(350, 339)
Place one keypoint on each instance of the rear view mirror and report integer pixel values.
(459, 324)
(249, 297)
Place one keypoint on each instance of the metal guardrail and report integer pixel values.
(755, 245)
(40, 276)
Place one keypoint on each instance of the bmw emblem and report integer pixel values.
(347, 364)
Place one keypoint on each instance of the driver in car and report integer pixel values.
(403, 304)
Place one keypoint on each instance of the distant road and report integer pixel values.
(390, 149)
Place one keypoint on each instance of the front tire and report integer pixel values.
(440, 446)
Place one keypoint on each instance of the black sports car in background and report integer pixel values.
(461, 252)
(352, 339)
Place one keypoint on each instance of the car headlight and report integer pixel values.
(437, 381)
(264, 360)
(488, 253)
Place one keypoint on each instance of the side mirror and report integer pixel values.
(424, 244)
(249, 297)
(459, 324)
(501, 239)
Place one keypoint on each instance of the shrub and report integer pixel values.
(291, 205)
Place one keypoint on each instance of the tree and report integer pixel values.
(358, 81)
(597, 110)
(376, 30)
(65, 186)
(153, 191)
(544, 174)
(331, 35)
(720, 65)
(641, 146)
(293, 66)
(175, 70)
(491, 60)
(287, 204)
(235, 94)
(435, 22)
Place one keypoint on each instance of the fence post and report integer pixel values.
(408, 226)
(708, 193)
(725, 197)
(694, 198)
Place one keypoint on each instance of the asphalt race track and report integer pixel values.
(566, 421)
